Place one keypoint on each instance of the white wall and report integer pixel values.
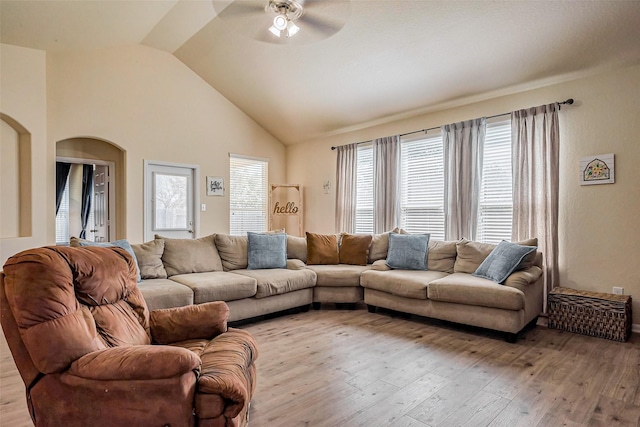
(598, 240)
(155, 108)
(23, 98)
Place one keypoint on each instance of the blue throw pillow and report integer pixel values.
(266, 250)
(502, 261)
(408, 251)
(124, 244)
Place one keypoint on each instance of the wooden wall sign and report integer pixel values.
(285, 208)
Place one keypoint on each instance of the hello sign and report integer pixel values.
(285, 202)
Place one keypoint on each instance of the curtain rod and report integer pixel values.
(567, 102)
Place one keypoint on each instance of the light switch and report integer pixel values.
(203, 207)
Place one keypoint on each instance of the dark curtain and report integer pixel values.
(87, 191)
(62, 173)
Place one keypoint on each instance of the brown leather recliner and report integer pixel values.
(91, 354)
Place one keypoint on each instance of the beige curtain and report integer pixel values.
(346, 170)
(536, 142)
(386, 183)
(463, 145)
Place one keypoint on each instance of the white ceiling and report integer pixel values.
(391, 59)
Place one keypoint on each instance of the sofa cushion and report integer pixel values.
(441, 255)
(404, 283)
(502, 261)
(183, 256)
(266, 250)
(165, 293)
(408, 251)
(471, 254)
(149, 256)
(217, 286)
(354, 249)
(340, 275)
(279, 281)
(297, 248)
(233, 251)
(463, 288)
(75, 242)
(322, 249)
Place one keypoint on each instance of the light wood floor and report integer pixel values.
(354, 368)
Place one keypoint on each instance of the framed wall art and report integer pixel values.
(598, 169)
(215, 186)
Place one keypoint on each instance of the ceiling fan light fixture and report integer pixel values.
(287, 11)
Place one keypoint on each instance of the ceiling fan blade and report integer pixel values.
(325, 26)
(235, 9)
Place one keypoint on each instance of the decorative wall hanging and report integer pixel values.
(598, 169)
(215, 186)
(285, 208)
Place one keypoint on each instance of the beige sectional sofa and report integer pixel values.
(177, 272)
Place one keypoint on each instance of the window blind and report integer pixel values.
(247, 194)
(364, 190)
(496, 198)
(422, 186)
(62, 218)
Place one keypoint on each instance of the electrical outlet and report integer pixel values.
(618, 290)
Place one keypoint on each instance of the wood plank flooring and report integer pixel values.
(354, 368)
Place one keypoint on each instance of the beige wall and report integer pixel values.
(598, 240)
(141, 99)
(153, 107)
(23, 99)
(9, 181)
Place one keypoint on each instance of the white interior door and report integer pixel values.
(170, 197)
(101, 203)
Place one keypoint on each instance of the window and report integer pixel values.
(422, 186)
(247, 194)
(62, 218)
(364, 190)
(496, 199)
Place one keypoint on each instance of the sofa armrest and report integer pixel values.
(232, 371)
(295, 264)
(524, 277)
(136, 362)
(200, 321)
(380, 265)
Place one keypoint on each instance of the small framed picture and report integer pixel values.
(215, 186)
(598, 169)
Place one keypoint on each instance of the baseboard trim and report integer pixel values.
(543, 320)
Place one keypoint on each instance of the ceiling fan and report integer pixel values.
(285, 21)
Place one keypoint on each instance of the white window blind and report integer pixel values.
(62, 218)
(247, 194)
(496, 199)
(364, 190)
(422, 186)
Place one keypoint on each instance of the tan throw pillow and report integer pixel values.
(322, 249)
(149, 257)
(297, 248)
(380, 245)
(233, 251)
(183, 256)
(471, 254)
(441, 255)
(354, 249)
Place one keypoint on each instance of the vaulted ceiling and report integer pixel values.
(389, 60)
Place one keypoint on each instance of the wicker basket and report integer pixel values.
(590, 313)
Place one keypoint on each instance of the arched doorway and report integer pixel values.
(90, 201)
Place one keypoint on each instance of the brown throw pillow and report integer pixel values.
(322, 249)
(354, 249)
